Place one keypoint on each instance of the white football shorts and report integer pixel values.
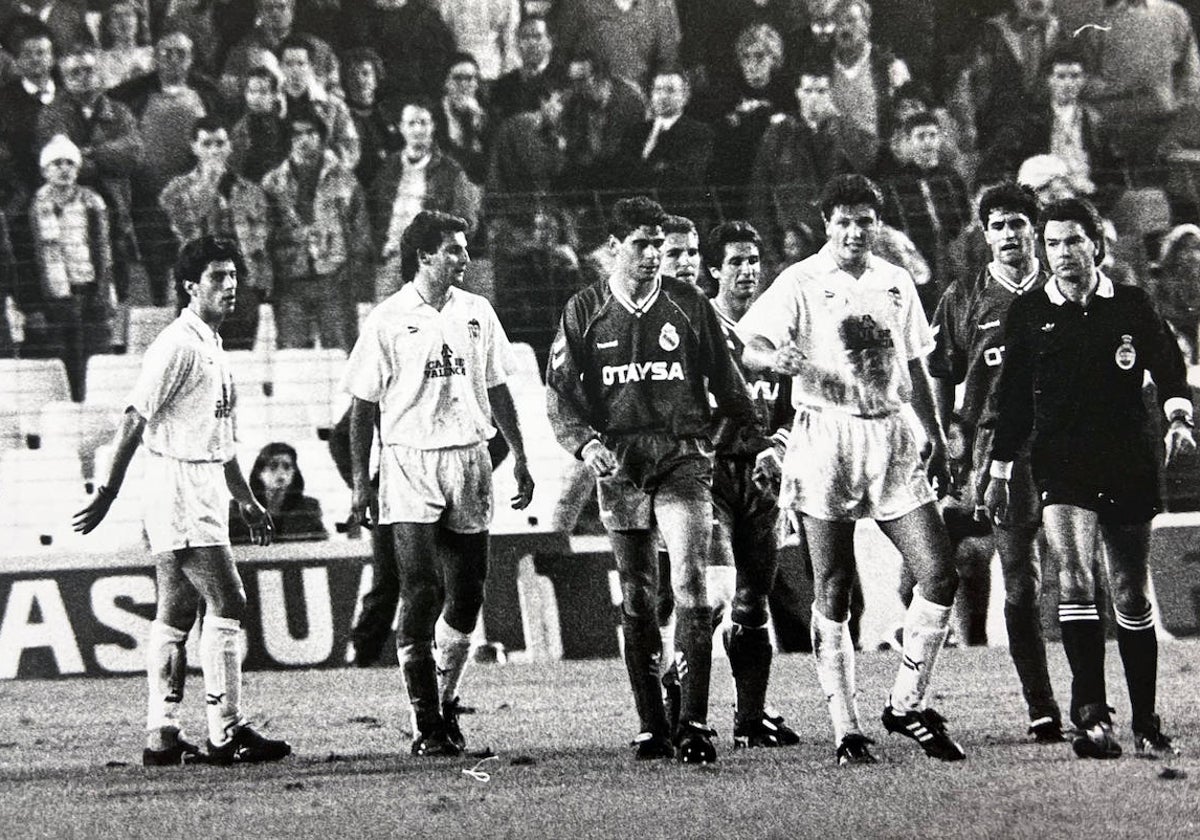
(185, 503)
(452, 486)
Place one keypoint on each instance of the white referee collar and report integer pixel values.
(1104, 289)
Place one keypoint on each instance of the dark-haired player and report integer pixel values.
(849, 329)
(628, 387)
(969, 330)
(182, 407)
(1076, 353)
(431, 360)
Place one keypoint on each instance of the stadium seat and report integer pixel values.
(307, 382)
(39, 491)
(25, 386)
(145, 323)
(111, 378)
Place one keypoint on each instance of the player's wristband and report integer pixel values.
(104, 493)
(1182, 417)
(1179, 408)
(1001, 469)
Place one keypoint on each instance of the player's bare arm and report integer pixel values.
(761, 354)
(925, 406)
(363, 498)
(129, 437)
(505, 415)
(256, 517)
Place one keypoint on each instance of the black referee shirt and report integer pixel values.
(1072, 377)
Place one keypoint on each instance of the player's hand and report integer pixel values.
(364, 505)
(788, 359)
(262, 529)
(979, 499)
(599, 459)
(997, 501)
(1179, 440)
(937, 467)
(86, 520)
(768, 471)
(524, 485)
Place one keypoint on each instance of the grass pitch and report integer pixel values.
(70, 762)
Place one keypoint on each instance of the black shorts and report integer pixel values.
(648, 460)
(1118, 479)
(750, 513)
(1131, 502)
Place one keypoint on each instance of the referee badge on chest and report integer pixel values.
(1126, 356)
(668, 337)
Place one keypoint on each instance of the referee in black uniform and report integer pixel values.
(1076, 354)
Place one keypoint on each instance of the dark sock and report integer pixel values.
(420, 675)
(1138, 646)
(749, 650)
(693, 641)
(1083, 641)
(1028, 651)
(643, 658)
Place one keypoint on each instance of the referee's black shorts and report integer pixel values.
(1119, 483)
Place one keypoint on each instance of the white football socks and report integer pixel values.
(833, 652)
(452, 649)
(925, 627)
(221, 660)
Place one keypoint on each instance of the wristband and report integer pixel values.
(104, 493)
(1182, 417)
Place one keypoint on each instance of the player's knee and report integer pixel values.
(690, 590)
(749, 608)
(940, 585)
(664, 605)
(1130, 601)
(639, 601)
(421, 603)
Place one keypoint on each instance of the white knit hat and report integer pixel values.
(59, 147)
(1040, 170)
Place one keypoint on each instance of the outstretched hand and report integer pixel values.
(262, 529)
(86, 520)
(524, 486)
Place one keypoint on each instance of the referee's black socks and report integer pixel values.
(1083, 641)
(1138, 644)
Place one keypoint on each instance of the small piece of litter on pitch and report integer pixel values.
(1171, 773)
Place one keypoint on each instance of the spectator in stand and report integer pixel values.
(377, 123)
(276, 481)
(320, 240)
(418, 177)
(800, 151)
(669, 152)
(487, 29)
(634, 40)
(600, 111)
(260, 139)
(710, 27)
(412, 39)
(110, 145)
(1147, 68)
(199, 20)
(125, 44)
(23, 99)
(64, 20)
(740, 107)
(1048, 176)
(303, 91)
(957, 146)
(863, 76)
(1064, 126)
(517, 90)
(928, 199)
(1176, 288)
(213, 200)
(69, 223)
(166, 103)
(273, 25)
(1006, 76)
(462, 127)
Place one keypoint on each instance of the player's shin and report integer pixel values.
(643, 660)
(452, 649)
(1028, 651)
(166, 669)
(833, 652)
(221, 661)
(693, 659)
(925, 627)
(749, 650)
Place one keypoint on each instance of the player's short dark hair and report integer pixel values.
(1008, 197)
(209, 123)
(848, 191)
(917, 120)
(728, 233)
(426, 233)
(1076, 210)
(629, 214)
(197, 254)
(678, 224)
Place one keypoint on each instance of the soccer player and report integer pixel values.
(627, 394)
(969, 330)
(1076, 353)
(432, 360)
(183, 407)
(681, 252)
(849, 329)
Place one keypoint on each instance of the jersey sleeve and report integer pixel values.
(918, 337)
(499, 353)
(725, 380)
(165, 369)
(566, 400)
(1014, 389)
(1166, 363)
(777, 315)
(949, 358)
(369, 367)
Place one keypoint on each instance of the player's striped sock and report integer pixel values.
(693, 659)
(1083, 641)
(1028, 651)
(166, 669)
(221, 661)
(452, 649)
(833, 652)
(749, 650)
(419, 672)
(1138, 645)
(925, 627)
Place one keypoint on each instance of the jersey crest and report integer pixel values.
(668, 337)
